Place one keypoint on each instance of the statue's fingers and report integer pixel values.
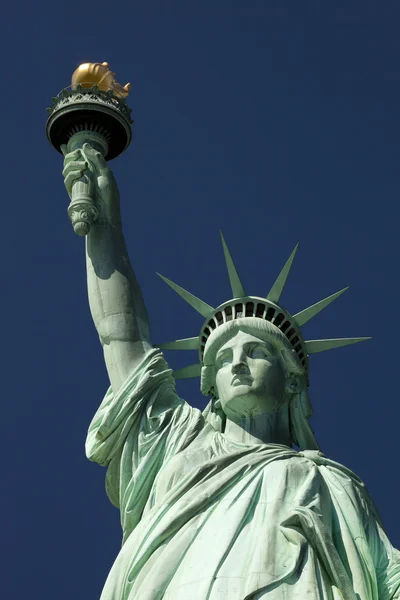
(70, 179)
(101, 162)
(96, 157)
(75, 165)
(66, 154)
(72, 157)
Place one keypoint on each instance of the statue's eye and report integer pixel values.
(224, 361)
(258, 351)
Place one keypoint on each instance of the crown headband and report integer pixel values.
(267, 309)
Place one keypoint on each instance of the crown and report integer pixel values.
(266, 308)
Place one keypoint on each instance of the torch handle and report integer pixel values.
(82, 210)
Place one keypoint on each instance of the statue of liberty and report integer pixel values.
(236, 502)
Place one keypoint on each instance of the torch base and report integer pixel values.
(91, 110)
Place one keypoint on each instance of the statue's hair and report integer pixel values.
(299, 404)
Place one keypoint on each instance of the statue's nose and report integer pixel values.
(239, 366)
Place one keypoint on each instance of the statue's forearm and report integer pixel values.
(116, 302)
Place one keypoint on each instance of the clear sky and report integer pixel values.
(277, 121)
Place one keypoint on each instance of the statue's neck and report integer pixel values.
(270, 428)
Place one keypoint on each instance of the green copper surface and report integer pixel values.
(235, 502)
(185, 344)
(236, 284)
(201, 307)
(275, 292)
(307, 314)
(315, 346)
(188, 372)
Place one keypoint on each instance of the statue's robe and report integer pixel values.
(205, 518)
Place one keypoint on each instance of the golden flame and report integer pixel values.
(100, 74)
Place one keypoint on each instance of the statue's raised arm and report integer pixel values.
(115, 299)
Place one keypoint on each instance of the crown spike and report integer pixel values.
(236, 284)
(308, 313)
(277, 289)
(314, 346)
(185, 344)
(201, 307)
(188, 372)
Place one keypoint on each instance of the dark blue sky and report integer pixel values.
(276, 121)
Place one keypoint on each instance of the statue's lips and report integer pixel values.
(241, 380)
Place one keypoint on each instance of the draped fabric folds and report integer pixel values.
(205, 518)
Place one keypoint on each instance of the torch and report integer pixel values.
(92, 110)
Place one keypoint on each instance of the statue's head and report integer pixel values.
(251, 369)
(250, 366)
(253, 357)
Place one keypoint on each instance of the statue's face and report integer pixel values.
(250, 379)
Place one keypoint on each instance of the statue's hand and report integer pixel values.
(88, 161)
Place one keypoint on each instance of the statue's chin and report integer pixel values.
(245, 402)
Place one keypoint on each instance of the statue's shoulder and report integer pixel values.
(337, 476)
(321, 460)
